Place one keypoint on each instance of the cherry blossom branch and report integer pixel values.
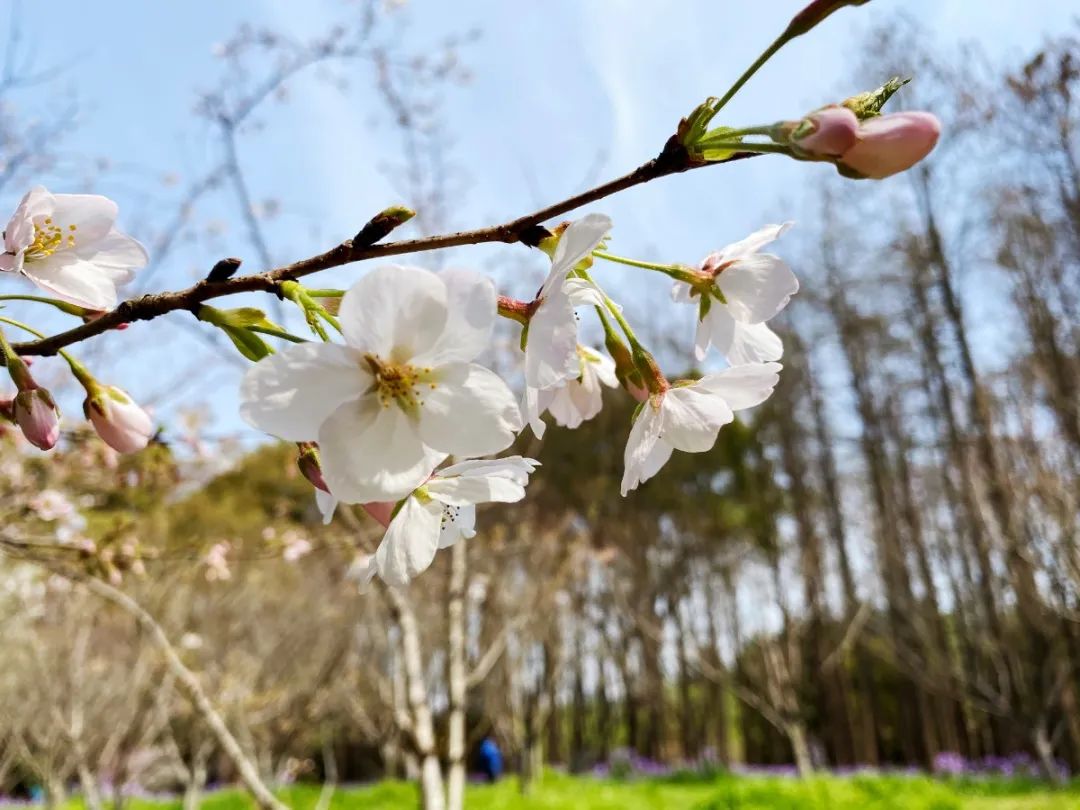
(527, 229)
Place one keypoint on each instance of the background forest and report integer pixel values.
(879, 567)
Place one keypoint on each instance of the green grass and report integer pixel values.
(559, 792)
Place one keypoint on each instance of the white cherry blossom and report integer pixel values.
(551, 344)
(747, 289)
(578, 400)
(68, 245)
(401, 394)
(441, 512)
(689, 417)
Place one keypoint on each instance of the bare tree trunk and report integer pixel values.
(330, 773)
(800, 748)
(88, 783)
(423, 731)
(196, 778)
(456, 686)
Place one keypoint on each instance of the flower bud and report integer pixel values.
(120, 423)
(310, 467)
(889, 144)
(7, 411)
(38, 417)
(828, 132)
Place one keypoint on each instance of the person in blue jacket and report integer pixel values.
(491, 763)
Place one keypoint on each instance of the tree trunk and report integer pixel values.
(423, 729)
(456, 686)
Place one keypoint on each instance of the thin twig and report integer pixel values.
(526, 229)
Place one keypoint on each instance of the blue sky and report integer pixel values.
(557, 85)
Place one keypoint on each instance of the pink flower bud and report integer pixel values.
(831, 131)
(38, 418)
(309, 465)
(892, 143)
(120, 423)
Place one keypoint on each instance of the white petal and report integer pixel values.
(517, 468)
(472, 309)
(578, 240)
(551, 350)
(470, 412)
(116, 251)
(680, 293)
(19, 233)
(717, 327)
(692, 418)
(74, 280)
(602, 366)
(639, 446)
(463, 526)
(533, 404)
(754, 343)
(757, 287)
(583, 292)
(564, 407)
(742, 386)
(751, 244)
(473, 489)
(291, 393)
(395, 312)
(92, 214)
(371, 453)
(410, 542)
(327, 505)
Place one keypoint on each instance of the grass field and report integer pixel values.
(558, 792)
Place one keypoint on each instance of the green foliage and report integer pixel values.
(721, 792)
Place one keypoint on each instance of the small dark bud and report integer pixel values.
(224, 269)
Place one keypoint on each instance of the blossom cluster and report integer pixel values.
(398, 415)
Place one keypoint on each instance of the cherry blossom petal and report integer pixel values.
(326, 504)
(395, 312)
(502, 480)
(290, 394)
(410, 543)
(371, 453)
(462, 526)
(19, 233)
(472, 309)
(742, 386)
(551, 350)
(517, 468)
(680, 293)
(692, 418)
(533, 403)
(750, 245)
(116, 251)
(754, 343)
(639, 457)
(470, 412)
(717, 328)
(603, 367)
(92, 214)
(578, 241)
(757, 287)
(583, 292)
(74, 280)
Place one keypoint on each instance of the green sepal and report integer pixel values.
(869, 104)
(249, 344)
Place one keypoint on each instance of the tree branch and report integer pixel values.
(526, 229)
